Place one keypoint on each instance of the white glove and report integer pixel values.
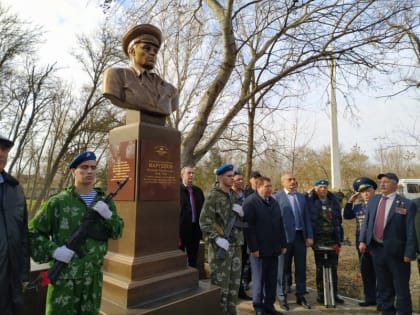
(222, 243)
(238, 209)
(103, 209)
(63, 254)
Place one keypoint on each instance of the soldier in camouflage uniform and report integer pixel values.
(218, 209)
(325, 215)
(79, 287)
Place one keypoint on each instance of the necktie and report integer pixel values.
(378, 230)
(192, 202)
(296, 213)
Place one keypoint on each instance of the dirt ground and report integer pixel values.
(349, 279)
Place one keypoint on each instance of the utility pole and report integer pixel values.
(335, 154)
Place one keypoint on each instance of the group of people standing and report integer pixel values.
(278, 228)
(241, 227)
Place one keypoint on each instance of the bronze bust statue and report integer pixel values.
(137, 87)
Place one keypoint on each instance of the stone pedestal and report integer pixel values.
(145, 270)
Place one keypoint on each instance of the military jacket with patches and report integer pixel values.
(326, 220)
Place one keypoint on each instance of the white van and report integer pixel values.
(409, 187)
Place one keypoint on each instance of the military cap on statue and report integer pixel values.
(82, 157)
(320, 182)
(224, 168)
(6, 142)
(361, 183)
(389, 175)
(143, 33)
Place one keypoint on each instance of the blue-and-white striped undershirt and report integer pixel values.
(88, 198)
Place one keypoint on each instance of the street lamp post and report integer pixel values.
(335, 154)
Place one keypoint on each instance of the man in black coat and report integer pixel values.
(192, 199)
(326, 220)
(266, 241)
(14, 241)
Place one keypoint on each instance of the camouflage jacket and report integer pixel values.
(56, 221)
(216, 213)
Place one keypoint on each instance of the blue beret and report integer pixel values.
(224, 168)
(82, 157)
(321, 182)
(362, 183)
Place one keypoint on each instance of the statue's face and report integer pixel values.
(144, 55)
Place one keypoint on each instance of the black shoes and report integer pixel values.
(272, 311)
(284, 305)
(302, 301)
(364, 304)
(243, 296)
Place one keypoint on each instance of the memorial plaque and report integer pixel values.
(159, 172)
(122, 164)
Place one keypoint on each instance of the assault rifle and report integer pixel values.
(227, 232)
(75, 242)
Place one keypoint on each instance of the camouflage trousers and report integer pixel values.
(75, 296)
(227, 275)
(330, 261)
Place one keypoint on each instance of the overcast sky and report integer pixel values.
(379, 118)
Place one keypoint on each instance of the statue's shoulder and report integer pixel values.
(165, 83)
(119, 70)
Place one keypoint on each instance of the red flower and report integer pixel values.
(45, 279)
(337, 248)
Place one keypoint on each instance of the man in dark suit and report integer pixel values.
(266, 240)
(364, 188)
(192, 199)
(297, 226)
(237, 187)
(389, 233)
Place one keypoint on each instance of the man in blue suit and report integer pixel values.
(389, 233)
(297, 226)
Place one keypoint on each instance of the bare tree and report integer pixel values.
(17, 41)
(291, 42)
(30, 94)
(80, 128)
